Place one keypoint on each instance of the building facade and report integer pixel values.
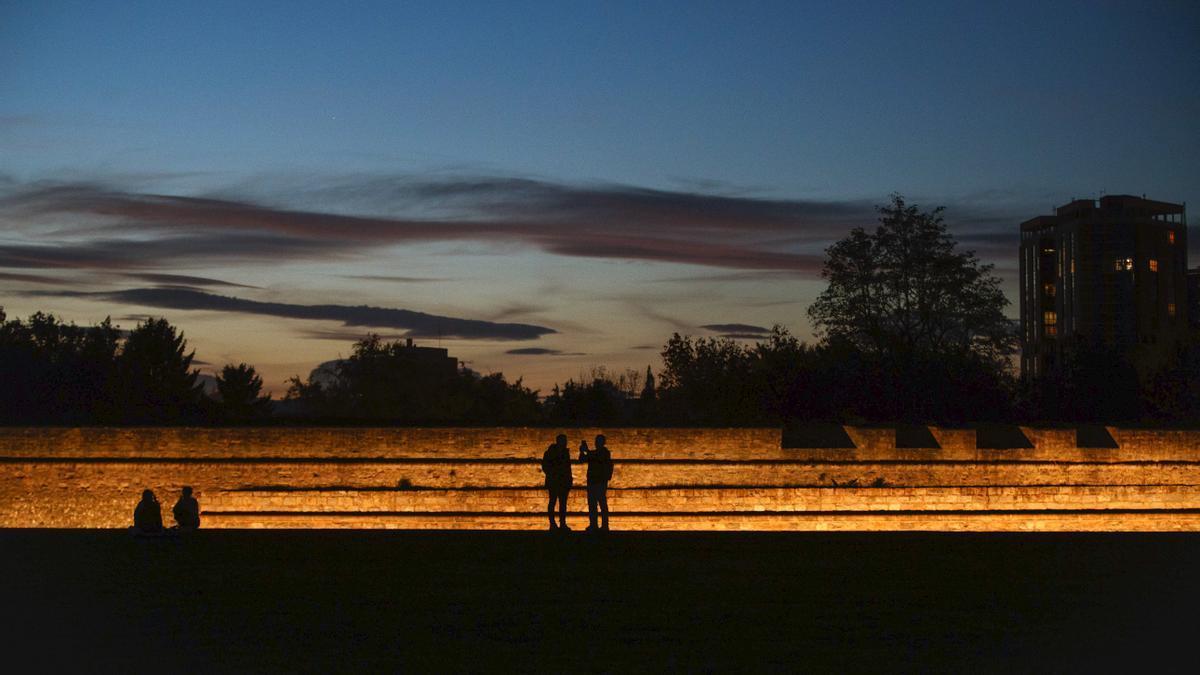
(1112, 271)
(1193, 286)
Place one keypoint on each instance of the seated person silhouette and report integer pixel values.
(599, 472)
(147, 517)
(556, 464)
(187, 510)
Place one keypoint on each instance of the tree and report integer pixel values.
(906, 289)
(239, 387)
(707, 381)
(925, 319)
(600, 397)
(158, 382)
(57, 372)
(393, 382)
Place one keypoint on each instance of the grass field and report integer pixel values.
(319, 601)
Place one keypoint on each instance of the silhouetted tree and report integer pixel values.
(158, 384)
(1173, 393)
(57, 372)
(790, 378)
(925, 319)
(707, 381)
(598, 398)
(495, 401)
(389, 381)
(1094, 383)
(239, 388)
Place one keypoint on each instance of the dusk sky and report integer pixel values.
(543, 187)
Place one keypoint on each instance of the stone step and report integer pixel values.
(485, 442)
(694, 500)
(763, 443)
(1024, 521)
(34, 478)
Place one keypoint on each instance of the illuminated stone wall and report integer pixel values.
(664, 479)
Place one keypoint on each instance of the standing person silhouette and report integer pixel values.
(599, 472)
(147, 517)
(187, 510)
(556, 464)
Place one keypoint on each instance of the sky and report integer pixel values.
(545, 187)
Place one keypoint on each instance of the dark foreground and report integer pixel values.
(371, 600)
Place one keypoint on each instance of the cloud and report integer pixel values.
(348, 335)
(742, 336)
(415, 324)
(124, 254)
(736, 328)
(181, 280)
(398, 280)
(31, 278)
(619, 222)
(516, 310)
(541, 351)
(751, 234)
(727, 277)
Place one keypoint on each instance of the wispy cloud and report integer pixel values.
(181, 279)
(534, 351)
(105, 226)
(348, 335)
(31, 278)
(736, 328)
(111, 254)
(415, 324)
(611, 221)
(394, 279)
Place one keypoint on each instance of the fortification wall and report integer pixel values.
(664, 479)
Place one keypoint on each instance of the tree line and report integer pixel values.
(910, 329)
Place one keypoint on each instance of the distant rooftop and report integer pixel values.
(1108, 206)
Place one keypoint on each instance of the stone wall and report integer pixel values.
(664, 479)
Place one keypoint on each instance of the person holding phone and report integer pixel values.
(599, 472)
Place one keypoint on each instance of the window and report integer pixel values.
(1123, 264)
(1049, 289)
(1051, 331)
(1153, 265)
(1171, 237)
(1050, 318)
(1171, 309)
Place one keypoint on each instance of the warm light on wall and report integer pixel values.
(679, 479)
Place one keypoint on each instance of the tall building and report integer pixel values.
(1112, 271)
(1193, 286)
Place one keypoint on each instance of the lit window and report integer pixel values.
(1123, 264)
(1049, 289)
(1050, 318)
(1170, 309)
(1051, 331)
(1153, 265)
(1170, 236)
